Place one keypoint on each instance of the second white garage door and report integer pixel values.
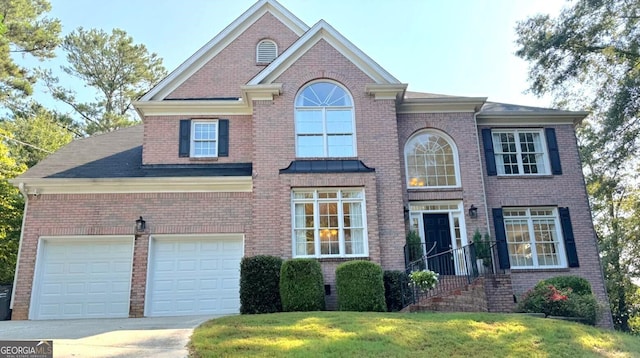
(191, 275)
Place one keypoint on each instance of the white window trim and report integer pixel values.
(456, 161)
(316, 219)
(192, 139)
(325, 136)
(543, 143)
(258, 50)
(561, 252)
(453, 213)
(457, 213)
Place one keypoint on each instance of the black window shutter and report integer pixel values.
(501, 239)
(223, 138)
(489, 156)
(554, 154)
(569, 241)
(185, 138)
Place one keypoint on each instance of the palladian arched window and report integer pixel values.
(324, 121)
(431, 160)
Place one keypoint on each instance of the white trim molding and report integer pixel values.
(241, 106)
(323, 31)
(222, 40)
(439, 105)
(42, 186)
(386, 91)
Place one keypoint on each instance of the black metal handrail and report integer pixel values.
(456, 267)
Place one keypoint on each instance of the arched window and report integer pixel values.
(431, 160)
(324, 121)
(266, 51)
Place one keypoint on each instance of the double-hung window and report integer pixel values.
(534, 238)
(329, 223)
(324, 121)
(520, 152)
(204, 138)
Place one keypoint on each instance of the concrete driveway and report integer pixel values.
(114, 337)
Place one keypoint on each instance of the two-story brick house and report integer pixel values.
(282, 139)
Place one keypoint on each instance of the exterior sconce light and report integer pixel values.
(141, 225)
(473, 212)
(406, 213)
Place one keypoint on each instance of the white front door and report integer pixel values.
(82, 278)
(190, 275)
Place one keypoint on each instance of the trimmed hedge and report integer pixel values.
(395, 283)
(260, 284)
(360, 286)
(301, 285)
(577, 284)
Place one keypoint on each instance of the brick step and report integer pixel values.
(466, 298)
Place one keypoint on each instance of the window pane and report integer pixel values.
(309, 122)
(204, 148)
(304, 242)
(339, 121)
(204, 131)
(430, 162)
(340, 225)
(310, 146)
(340, 145)
(354, 241)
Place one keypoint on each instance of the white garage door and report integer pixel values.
(194, 275)
(82, 279)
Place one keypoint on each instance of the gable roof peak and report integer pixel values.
(323, 31)
(220, 41)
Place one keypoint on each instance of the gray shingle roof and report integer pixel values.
(118, 154)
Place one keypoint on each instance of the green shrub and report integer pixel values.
(585, 307)
(301, 285)
(555, 301)
(577, 284)
(360, 286)
(260, 284)
(415, 249)
(396, 283)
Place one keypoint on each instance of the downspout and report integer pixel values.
(23, 191)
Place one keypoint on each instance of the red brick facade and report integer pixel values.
(267, 140)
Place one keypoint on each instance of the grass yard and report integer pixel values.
(354, 334)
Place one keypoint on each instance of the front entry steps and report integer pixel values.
(489, 293)
(469, 298)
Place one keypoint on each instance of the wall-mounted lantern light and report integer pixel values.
(473, 212)
(141, 225)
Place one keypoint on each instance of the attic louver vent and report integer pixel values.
(266, 52)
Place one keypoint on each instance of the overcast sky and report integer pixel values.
(455, 47)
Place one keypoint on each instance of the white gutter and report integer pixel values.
(24, 219)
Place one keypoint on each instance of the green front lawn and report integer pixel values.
(354, 334)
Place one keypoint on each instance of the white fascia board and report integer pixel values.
(386, 91)
(192, 108)
(222, 40)
(243, 106)
(529, 118)
(440, 105)
(323, 31)
(43, 186)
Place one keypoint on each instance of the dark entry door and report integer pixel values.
(438, 239)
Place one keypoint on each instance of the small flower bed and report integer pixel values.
(424, 280)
